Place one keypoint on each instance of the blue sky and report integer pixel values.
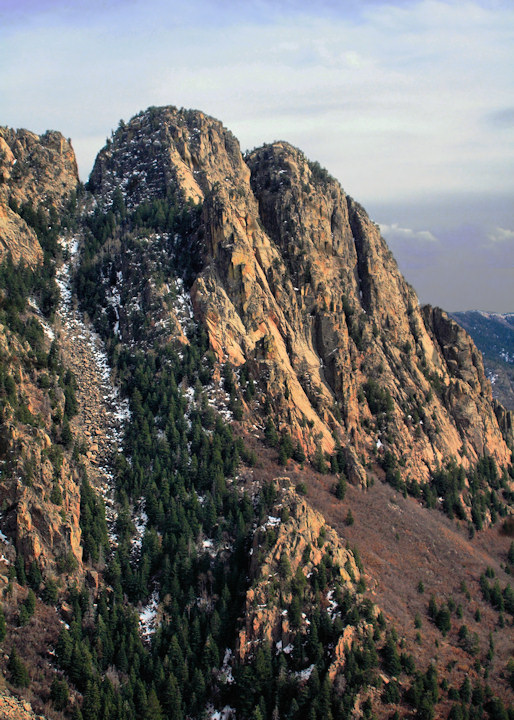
(410, 104)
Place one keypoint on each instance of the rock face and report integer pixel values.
(39, 170)
(39, 489)
(38, 175)
(493, 334)
(294, 280)
(13, 709)
(300, 535)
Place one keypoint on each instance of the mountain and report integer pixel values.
(242, 467)
(493, 334)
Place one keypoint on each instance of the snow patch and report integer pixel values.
(228, 713)
(140, 520)
(226, 668)
(4, 538)
(305, 674)
(148, 616)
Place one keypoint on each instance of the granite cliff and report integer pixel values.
(37, 175)
(291, 279)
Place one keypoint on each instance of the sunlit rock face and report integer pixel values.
(293, 279)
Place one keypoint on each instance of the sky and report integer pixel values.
(408, 103)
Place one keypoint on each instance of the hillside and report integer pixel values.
(493, 334)
(245, 474)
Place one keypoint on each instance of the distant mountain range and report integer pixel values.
(493, 334)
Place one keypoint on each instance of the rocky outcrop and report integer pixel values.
(301, 535)
(40, 171)
(13, 709)
(366, 328)
(15, 235)
(293, 279)
(39, 487)
(43, 168)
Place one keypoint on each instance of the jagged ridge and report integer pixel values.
(296, 283)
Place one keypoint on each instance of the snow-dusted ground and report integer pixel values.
(304, 675)
(6, 547)
(228, 713)
(148, 616)
(140, 519)
(226, 668)
(115, 410)
(46, 327)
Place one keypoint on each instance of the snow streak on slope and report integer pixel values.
(103, 413)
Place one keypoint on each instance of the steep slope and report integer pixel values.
(47, 537)
(365, 325)
(245, 305)
(293, 280)
(314, 334)
(493, 334)
(40, 482)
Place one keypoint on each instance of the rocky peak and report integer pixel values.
(43, 167)
(294, 280)
(165, 150)
(36, 170)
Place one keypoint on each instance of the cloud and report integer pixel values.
(456, 265)
(389, 96)
(502, 235)
(501, 118)
(396, 232)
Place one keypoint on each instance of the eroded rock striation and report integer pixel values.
(250, 291)
(292, 279)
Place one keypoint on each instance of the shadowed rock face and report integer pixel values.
(40, 170)
(296, 282)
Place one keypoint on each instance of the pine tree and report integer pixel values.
(34, 576)
(3, 628)
(153, 708)
(443, 619)
(18, 673)
(59, 693)
(91, 704)
(284, 567)
(391, 658)
(319, 461)
(30, 602)
(172, 698)
(340, 488)
(432, 607)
